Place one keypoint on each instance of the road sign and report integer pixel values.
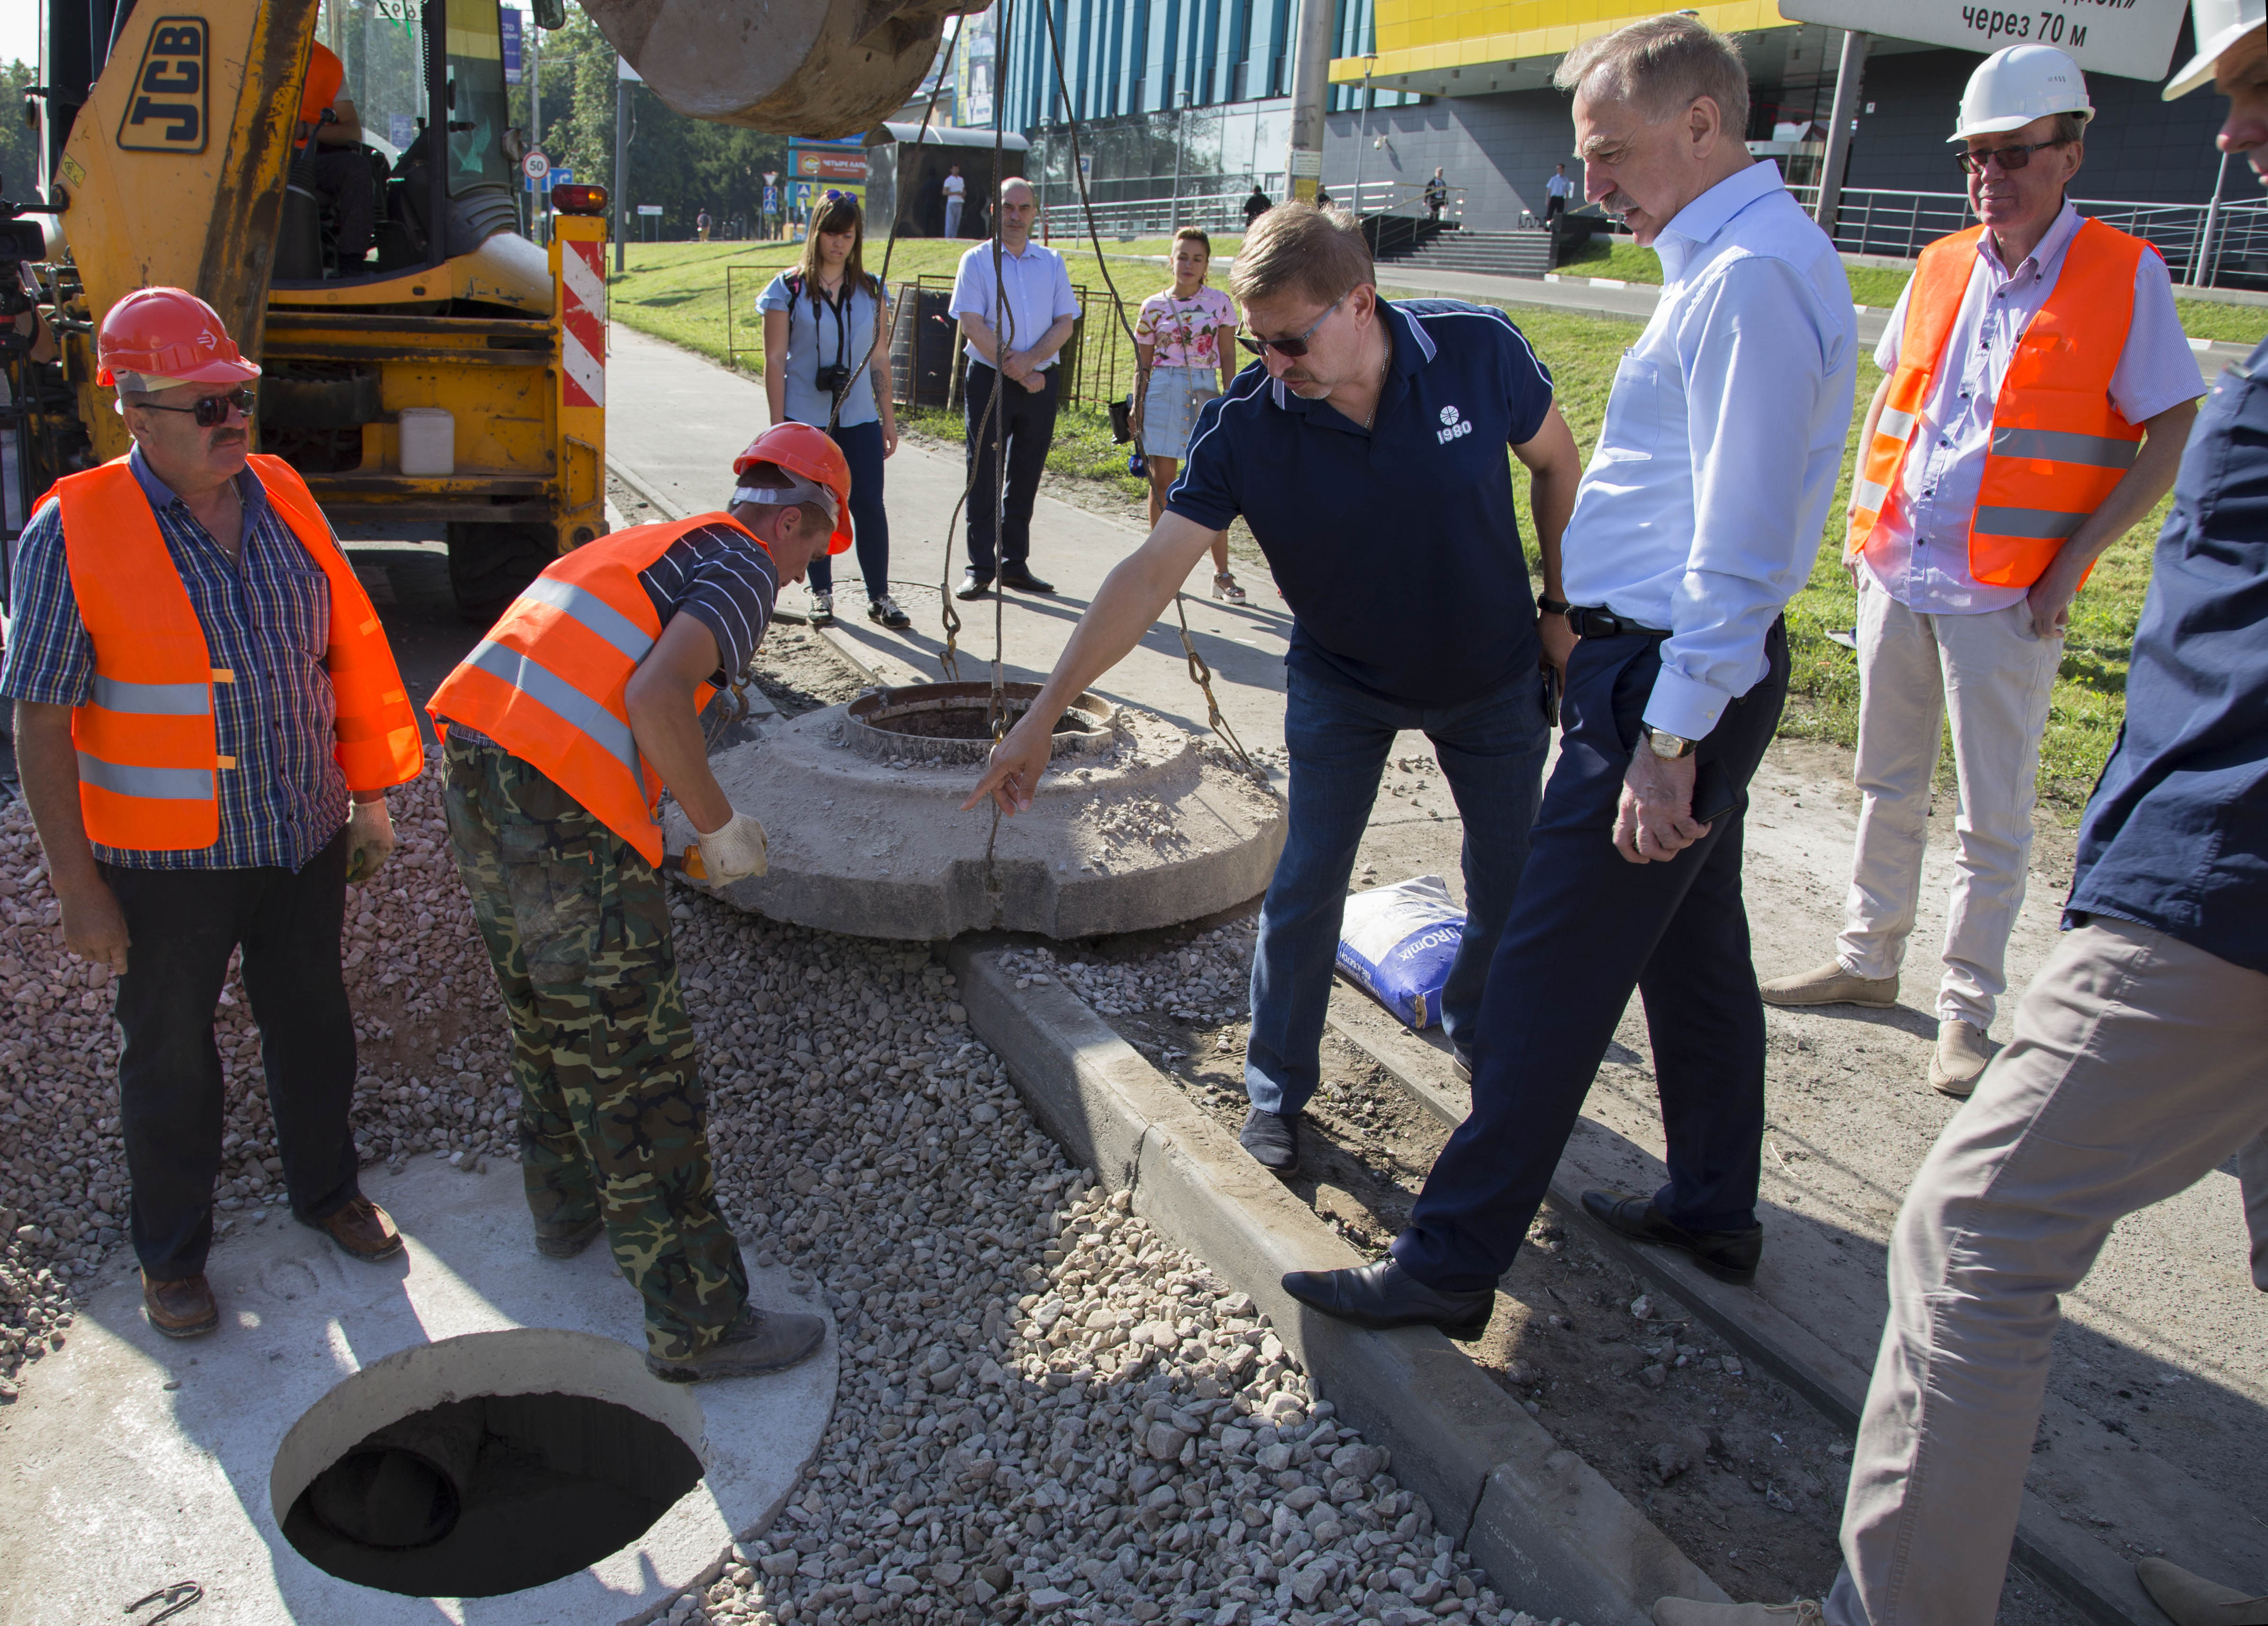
(2135, 42)
(649, 209)
(510, 18)
(536, 165)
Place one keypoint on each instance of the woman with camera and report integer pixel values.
(821, 366)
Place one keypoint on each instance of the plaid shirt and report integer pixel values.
(268, 620)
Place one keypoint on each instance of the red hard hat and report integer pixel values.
(803, 449)
(169, 332)
(326, 76)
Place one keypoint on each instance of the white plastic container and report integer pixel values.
(429, 440)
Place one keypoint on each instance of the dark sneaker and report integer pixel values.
(756, 1342)
(363, 1231)
(566, 1241)
(1273, 1140)
(1728, 1255)
(182, 1309)
(885, 611)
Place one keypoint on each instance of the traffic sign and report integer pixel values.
(2132, 41)
(536, 165)
(649, 209)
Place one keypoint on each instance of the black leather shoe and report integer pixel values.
(1728, 1255)
(1020, 578)
(1273, 1140)
(974, 585)
(1463, 1060)
(1386, 1295)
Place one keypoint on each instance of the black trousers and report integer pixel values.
(1027, 425)
(1592, 927)
(182, 927)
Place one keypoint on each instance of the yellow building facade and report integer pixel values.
(1449, 47)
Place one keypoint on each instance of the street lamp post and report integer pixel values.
(1362, 142)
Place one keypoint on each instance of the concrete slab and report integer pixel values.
(677, 421)
(1160, 830)
(137, 1461)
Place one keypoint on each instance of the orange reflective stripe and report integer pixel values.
(146, 743)
(547, 683)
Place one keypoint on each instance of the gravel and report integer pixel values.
(1044, 1408)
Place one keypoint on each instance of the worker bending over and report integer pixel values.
(562, 727)
(201, 685)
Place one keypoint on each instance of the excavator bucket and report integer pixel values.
(815, 67)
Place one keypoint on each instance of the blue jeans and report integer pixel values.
(1492, 751)
(870, 522)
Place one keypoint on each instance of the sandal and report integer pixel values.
(1224, 586)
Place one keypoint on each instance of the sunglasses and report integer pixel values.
(850, 198)
(211, 411)
(2010, 159)
(1297, 344)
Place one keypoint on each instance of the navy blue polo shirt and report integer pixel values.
(2177, 833)
(1398, 548)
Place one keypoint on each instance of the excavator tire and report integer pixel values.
(490, 564)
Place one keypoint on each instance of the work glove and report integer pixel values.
(369, 841)
(733, 851)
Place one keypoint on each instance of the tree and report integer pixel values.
(19, 150)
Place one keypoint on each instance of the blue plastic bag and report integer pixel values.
(1397, 943)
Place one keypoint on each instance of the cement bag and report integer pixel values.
(1397, 942)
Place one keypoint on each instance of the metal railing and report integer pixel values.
(1128, 218)
(1880, 220)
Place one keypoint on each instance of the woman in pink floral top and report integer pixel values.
(1182, 339)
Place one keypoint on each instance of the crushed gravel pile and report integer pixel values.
(1206, 980)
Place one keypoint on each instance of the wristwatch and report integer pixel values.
(1669, 747)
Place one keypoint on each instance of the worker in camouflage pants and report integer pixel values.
(563, 727)
(612, 1127)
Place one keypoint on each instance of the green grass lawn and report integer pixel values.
(1879, 287)
(676, 291)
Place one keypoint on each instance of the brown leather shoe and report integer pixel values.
(362, 1231)
(181, 1309)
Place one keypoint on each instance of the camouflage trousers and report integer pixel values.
(612, 1118)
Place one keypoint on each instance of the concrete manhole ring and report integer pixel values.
(943, 723)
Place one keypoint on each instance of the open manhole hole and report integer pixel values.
(952, 723)
(485, 1465)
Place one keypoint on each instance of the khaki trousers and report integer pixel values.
(2139, 1064)
(1991, 674)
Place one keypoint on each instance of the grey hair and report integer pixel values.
(2070, 126)
(1661, 66)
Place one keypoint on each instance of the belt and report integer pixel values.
(1587, 621)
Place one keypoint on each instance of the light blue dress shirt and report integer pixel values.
(1703, 506)
(821, 333)
(1039, 292)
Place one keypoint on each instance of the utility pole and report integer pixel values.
(1311, 89)
(534, 83)
(625, 75)
(1849, 72)
(1362, 144)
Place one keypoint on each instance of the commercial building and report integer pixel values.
(1188, 99)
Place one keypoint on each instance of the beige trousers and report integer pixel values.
(2139, 1064)
(1991, 674)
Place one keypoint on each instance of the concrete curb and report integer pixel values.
(1556, 1537)
(2088, 1575)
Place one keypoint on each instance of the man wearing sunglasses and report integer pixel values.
(2037, 390)
(1369, 453)
(208, 719)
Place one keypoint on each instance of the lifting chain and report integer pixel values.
(176, 1598)
(1201, 675)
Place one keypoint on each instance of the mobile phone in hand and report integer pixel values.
(1551, 686)
(1713, 795)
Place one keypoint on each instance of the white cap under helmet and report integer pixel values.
(2219, 24)
(2013, 86)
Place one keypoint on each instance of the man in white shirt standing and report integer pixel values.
(956, 192)
(1696, 520)
(2038, 391)
(1555, 192)
(1014, 325)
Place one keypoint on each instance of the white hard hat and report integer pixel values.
(2013, 86)
(2219, 24)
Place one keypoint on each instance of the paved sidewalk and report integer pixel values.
(676, 421)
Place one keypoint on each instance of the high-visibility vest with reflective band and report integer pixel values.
(2058, 443)
(547, 682)
(148, 748)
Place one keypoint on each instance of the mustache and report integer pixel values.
(1619, 202)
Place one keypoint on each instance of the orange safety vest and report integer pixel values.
(547, 684)
(148, 748)
(2058, 444)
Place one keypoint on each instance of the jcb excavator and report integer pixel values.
(175, 149)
